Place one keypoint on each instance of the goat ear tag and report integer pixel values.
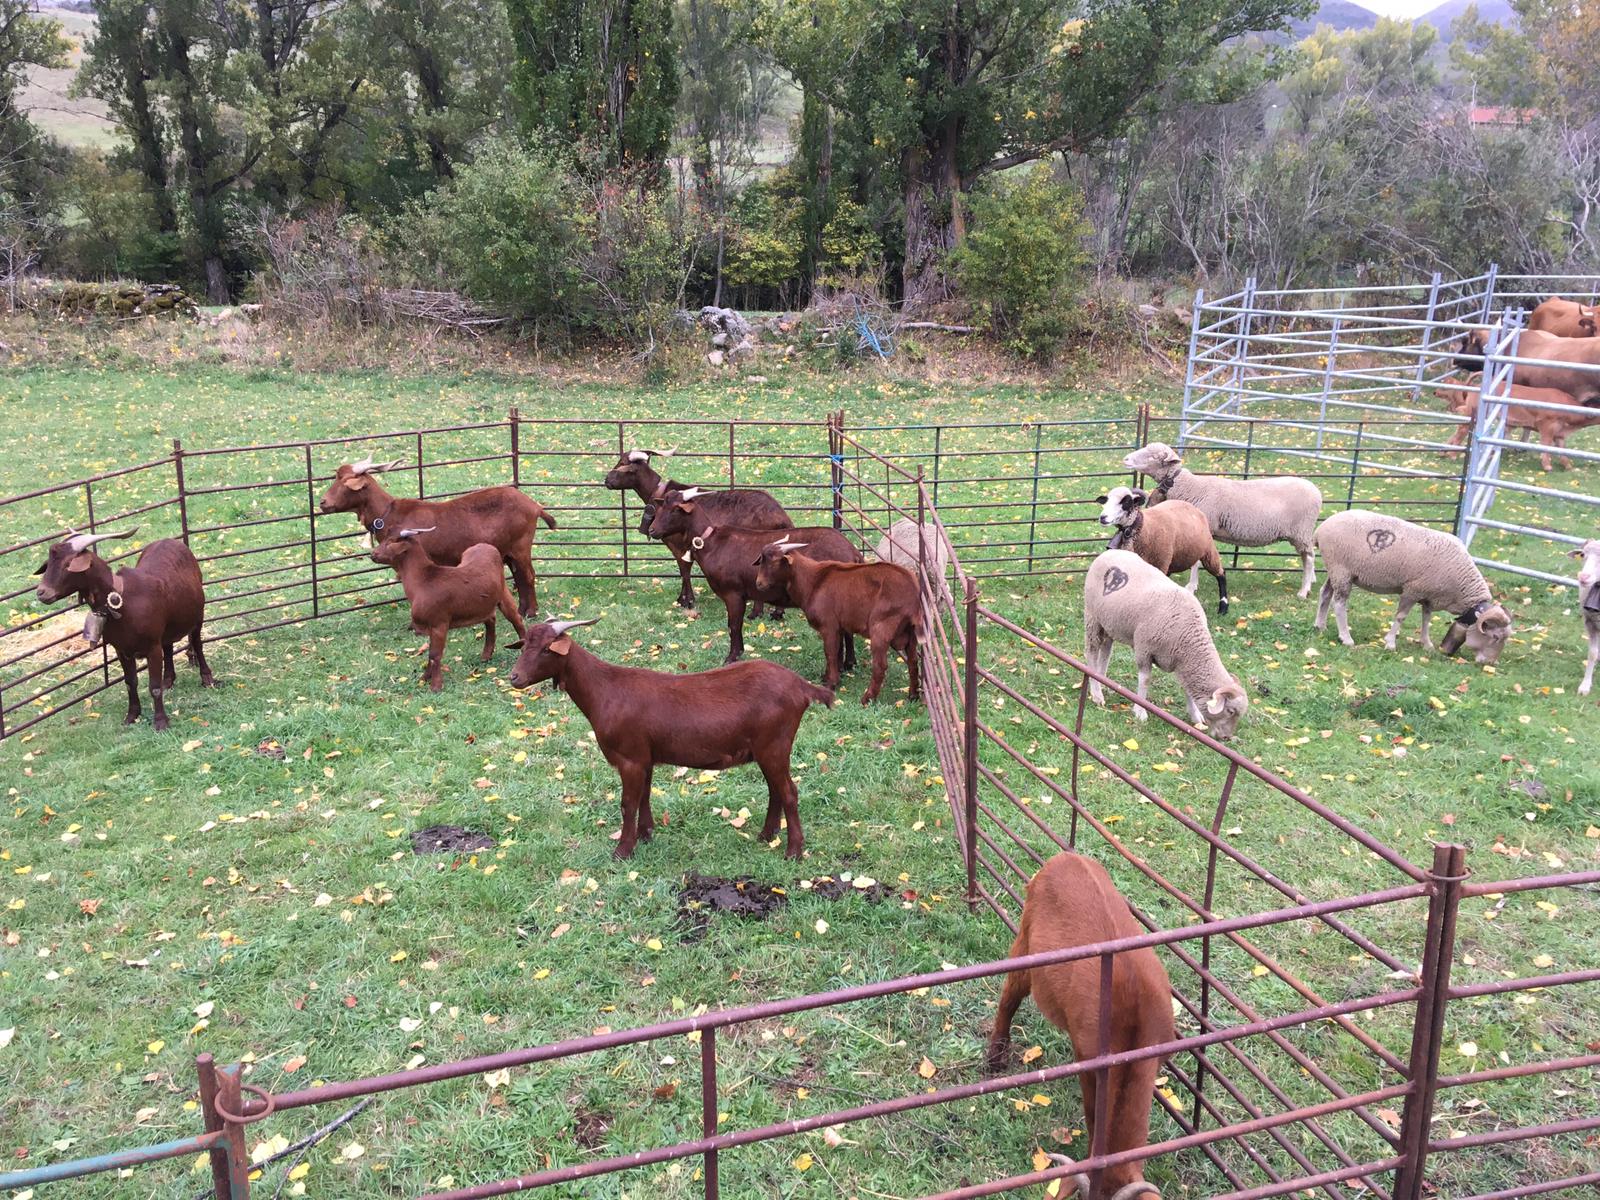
(561, 645)
(80, 562)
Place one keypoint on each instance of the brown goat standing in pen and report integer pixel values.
(1072, 902)
(139, 611)
(502, 517)
(445, 596)
(710, 720)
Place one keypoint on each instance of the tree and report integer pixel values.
(952, 93)
(27, 40)
(597, 75)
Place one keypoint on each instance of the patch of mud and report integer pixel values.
(590, 1128)
(1531, 788)
(702, 895)
(450, 839)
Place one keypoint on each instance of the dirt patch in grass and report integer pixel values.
(702, 895)
(590, 1128)
(450, 839)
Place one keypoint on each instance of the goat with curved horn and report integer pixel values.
(411, 533)
(82, 541)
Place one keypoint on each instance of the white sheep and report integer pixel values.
(899, 546)
(1589, 599)
(1246, 512)
(1127, 600)
(1174, 537)
(1392, 557)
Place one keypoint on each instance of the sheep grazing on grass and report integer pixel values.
(1245, 512)
(1072, 902)
(1589, 598)
(1391, 557)
(1127, 600)
(1172, 537)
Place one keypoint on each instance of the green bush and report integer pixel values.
(1023, 263)
(766, 237)
(510, 231)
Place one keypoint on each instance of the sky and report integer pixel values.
(1399, 8)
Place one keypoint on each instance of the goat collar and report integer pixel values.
(380, 523)
(109, 606)
(699, 540)
(1126, 533)
(1591, 599)
(1165, 482)
(1472, 614)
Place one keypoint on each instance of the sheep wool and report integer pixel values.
(899, 546)
(1246, 512)
(1392, 557)
(1127, 600)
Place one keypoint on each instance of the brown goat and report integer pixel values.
(449, 596)
(1553, 428)
(1072, 902)
(1174, 536)
(139, 611)
(710, 720)
(500, 516)
(1577, 369)
(880, 601)
(1564, 318)
(727, 556)
(745, 507)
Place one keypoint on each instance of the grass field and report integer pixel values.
(168, 894)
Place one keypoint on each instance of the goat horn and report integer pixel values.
(361, 466)
(1142, 1188)
(82, 541)
(1080, 1181)
(690, 493)
(562, 626)
(411, 533)
(375, 468)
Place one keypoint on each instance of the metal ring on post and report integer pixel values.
(236, 1119)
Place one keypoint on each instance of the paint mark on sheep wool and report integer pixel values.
(1379, 540)
(1116, 580)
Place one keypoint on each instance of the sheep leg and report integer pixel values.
(1341, 615)
(880, 639)
(1308, 558)
(1400, 615)
(736, 604)
(1588, 666)
(1097, 650)
(1194, 578)
(783, 800)
(830, 657)
(1017, 986)
(1427, 617)
(1322, 604)
(433, 674)
(130, 676)
(509, 612)
(169, 671)
(197, 656)
(157, 665)
(1143, 690)
(635, 790)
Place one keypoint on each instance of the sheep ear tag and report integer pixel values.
(1116, 580)
(561, 645)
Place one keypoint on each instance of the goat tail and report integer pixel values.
(819, 695)
(544, 515)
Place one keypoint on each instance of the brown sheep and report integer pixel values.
(1172, 537)
(1072, 902)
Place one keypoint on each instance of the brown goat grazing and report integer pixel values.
(710, 720)
(880, 601)
(449, 596)
(1172, 537)
(1072, 902)
(747, 508)
(1564, 318)
(727, 556)
(139, 611)
(1553, 428)
(1578, 362)
(501, 516)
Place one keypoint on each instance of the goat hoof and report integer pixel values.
(208, 681)
(161, 724)
(622, 851)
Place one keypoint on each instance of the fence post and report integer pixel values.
(1205, 942)
(1448, 873)
(1327, 375)
(708, 1104)
(836, 465)
(938, 440)
(1355, 466)
(311, 510)
(731, 429)
(422, 492)
(516, 449)
(622, 497)
(1241, 342)
(969, 752)
(1033, 513)
(1188, 367)
(1490, 283)
(183, 494)
(230, 1164)
(1427, 336)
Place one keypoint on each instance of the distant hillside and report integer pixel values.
(1339, 15)
(77, 121)
(1497, 12)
